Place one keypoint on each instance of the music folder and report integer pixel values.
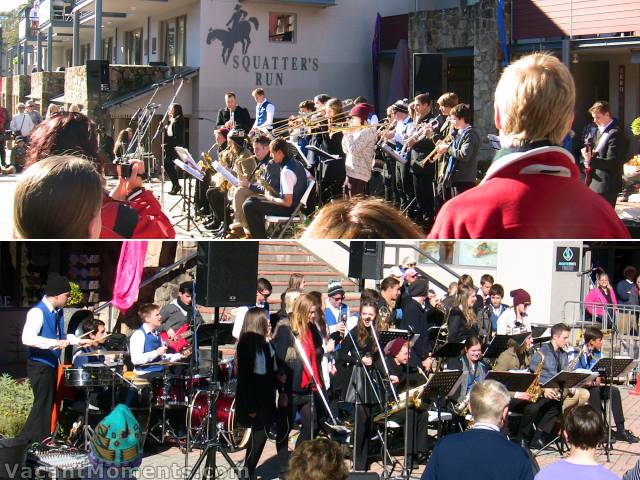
(566, 380)
(513, 381)
(322, 153)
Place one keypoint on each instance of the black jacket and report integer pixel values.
(241, 117)
(607, 168)
(177, 139)
(459, 330)
(414, 317)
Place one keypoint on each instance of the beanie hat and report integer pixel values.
(237, 136)
(362, 111)
(520, 296)
(117, 440)
(419, 287)
(223, 131)
(334, 288)
(394, 346)
(56, 284)
(400, 106)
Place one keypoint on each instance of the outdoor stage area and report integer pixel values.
(158, 464)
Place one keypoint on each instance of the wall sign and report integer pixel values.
(567, 259)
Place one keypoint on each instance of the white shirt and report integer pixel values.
(336, 314)
(238, 322)
(31, 331)
(603, 128)
(507, 323)
(288, 181)
(271, 112)
(486, 426)
(22, 122)
(139, 356)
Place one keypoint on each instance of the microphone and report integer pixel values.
(588, 272)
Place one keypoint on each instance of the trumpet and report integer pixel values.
(383, 130)
(434, 155)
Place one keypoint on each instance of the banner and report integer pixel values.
(129, 274)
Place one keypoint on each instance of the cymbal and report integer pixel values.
(162, 363)
(106, 352)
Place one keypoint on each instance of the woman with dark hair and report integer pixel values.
(357, 359)
(173, 137)
(122, 142)
(257, 383)
(473, 371)
(64, 133)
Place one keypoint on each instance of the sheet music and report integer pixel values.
(225, 173)
(186, 157)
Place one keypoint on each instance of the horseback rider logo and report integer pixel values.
(239, 31)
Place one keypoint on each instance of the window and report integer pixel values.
(107, 49)
(173, 41)
(282, 27)
(133, 47)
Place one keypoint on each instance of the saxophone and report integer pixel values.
(462, 407)
(412, 397)
(535, 390)
(434, 155)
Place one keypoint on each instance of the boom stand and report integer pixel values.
(212, 446)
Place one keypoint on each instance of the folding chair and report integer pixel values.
(296, 217)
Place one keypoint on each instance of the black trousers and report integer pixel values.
(423, 187)
(217, 202)
(256, 209)
(461, 187)
(169, 167)
(404, 184)
(547, 415)
(43, 383)
(418, 422)
(3, 151)
(376, 185)
(598, 394)
(364, 428)
(391, 193)
(284, 421)
(308, 420)
(255, 448)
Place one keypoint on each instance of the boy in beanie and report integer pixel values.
(44, 335)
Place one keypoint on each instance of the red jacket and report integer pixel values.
(533, 194)
(151, 222)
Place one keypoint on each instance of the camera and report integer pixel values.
(125, 167)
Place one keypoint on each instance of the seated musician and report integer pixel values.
(397, 357)
(554, 360)
(175, 316)
(473, 371)
(217, 193)
(200, 199)
(267, 178)
(590, 354)
(462, 166)
(94, 329)
(145, 345)
(293, 184)
(515, 320)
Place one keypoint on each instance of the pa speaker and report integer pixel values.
(428, 74)
(366, 259)
(226, 274)
(98, 76)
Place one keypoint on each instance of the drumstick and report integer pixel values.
(81, 336)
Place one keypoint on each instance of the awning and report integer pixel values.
(58, 99)
(139, 98)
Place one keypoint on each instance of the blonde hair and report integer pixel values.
(488, 400)
(462, 301)
(289, 300)
(363, 219)
(302, 307)
(535, 99)
(448, 100)
(57, 197)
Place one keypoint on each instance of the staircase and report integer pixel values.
(278, 260)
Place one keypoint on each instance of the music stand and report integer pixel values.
(449, 350)
(562, 381)
(185, 164)
(440, 386)
(513, 381)
(500, 343)
(390, 335)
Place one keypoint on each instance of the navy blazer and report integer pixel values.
(479, 454)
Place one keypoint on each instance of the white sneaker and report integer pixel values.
(93, 407)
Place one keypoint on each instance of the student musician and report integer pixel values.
(354, 381)
(515, 320)
(590, 354)
(397, 357)
(145, 345)
(490, 315)
(473, 371)
(94, 329)
(177, 314)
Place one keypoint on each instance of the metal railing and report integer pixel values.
(580, 315)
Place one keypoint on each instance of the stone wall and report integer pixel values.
(465, 27)
(5, 97)
(45, 86)
(75, 85)
(20, 89)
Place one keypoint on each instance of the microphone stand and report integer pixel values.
(155, 135)
(614, 331)
(358, 396)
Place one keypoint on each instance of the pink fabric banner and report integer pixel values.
(129, 274)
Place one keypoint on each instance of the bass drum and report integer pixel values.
(235, 436)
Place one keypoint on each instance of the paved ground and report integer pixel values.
(172, 461)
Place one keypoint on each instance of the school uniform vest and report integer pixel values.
(52, 327)
(330, 317)
(301, 183)
(262, 112)
(151, 342)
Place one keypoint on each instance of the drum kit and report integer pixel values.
(179, 399)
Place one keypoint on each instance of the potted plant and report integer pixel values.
(16, 399)
(74, 303)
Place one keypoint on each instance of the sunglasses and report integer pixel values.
(412, 264)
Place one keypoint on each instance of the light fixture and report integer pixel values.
(575, 58)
